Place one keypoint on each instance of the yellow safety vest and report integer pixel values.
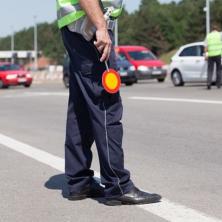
(69, 11)
(214, 44)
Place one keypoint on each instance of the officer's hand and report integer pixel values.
(103, 43)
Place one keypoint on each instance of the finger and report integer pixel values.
(109, 52)
(105, 54)
(98, 43)
(100, 48)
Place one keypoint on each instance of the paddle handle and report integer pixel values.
(107, 67)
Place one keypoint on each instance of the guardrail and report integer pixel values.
(46, 75)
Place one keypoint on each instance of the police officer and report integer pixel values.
(213, 53)
(93, 114)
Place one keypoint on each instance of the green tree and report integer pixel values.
(161, 27)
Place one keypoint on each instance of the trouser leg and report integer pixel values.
(79, 139)
(105, 112)
(210, 71)
(109, 142)
(218, 65)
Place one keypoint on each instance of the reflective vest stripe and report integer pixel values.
(116, 13)
(118, 5)
(61, 3)
(68, 19)
(68, 9)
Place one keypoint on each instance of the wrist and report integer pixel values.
(101, 26)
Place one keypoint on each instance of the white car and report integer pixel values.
(189, 65)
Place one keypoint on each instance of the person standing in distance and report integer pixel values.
(93, 114)
(213, 52)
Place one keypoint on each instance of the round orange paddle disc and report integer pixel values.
(111, 81)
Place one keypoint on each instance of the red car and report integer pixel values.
(12, 75)
(146, 65)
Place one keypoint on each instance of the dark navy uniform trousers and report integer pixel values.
(93, 115)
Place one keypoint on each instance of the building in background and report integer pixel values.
(25, 58)
(20, 57)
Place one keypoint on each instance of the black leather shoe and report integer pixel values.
(94, 190)
(135, 196)
(209, 87)
(85, 193)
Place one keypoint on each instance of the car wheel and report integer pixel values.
(129, 83)
(177, 78)
(161, 80)
(66, 81)
(1, 84)
(27, 85)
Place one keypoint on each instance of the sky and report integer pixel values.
(21, 15)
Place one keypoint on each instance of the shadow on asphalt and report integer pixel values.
(59, 182)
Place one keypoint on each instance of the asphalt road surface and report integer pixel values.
(172, 143)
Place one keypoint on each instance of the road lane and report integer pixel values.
(31, 191)
(171, 149)
(165, 209)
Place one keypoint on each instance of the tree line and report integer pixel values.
(161, 27)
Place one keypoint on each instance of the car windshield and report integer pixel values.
(142, 55)
(7, 67)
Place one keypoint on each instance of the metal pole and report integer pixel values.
(116, 34)
(207, 16)
(12, 45)
(35, 43)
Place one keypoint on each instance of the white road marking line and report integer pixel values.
(180, 100)
(166, 209)
(32, 152)
(36, 94)
(175, 212)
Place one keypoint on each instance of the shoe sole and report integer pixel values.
(82, 197)
(76, 198)
(119, 203)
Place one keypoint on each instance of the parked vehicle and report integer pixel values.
(12, 75)
(188, 65)
(146, 64)
(125, 69)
